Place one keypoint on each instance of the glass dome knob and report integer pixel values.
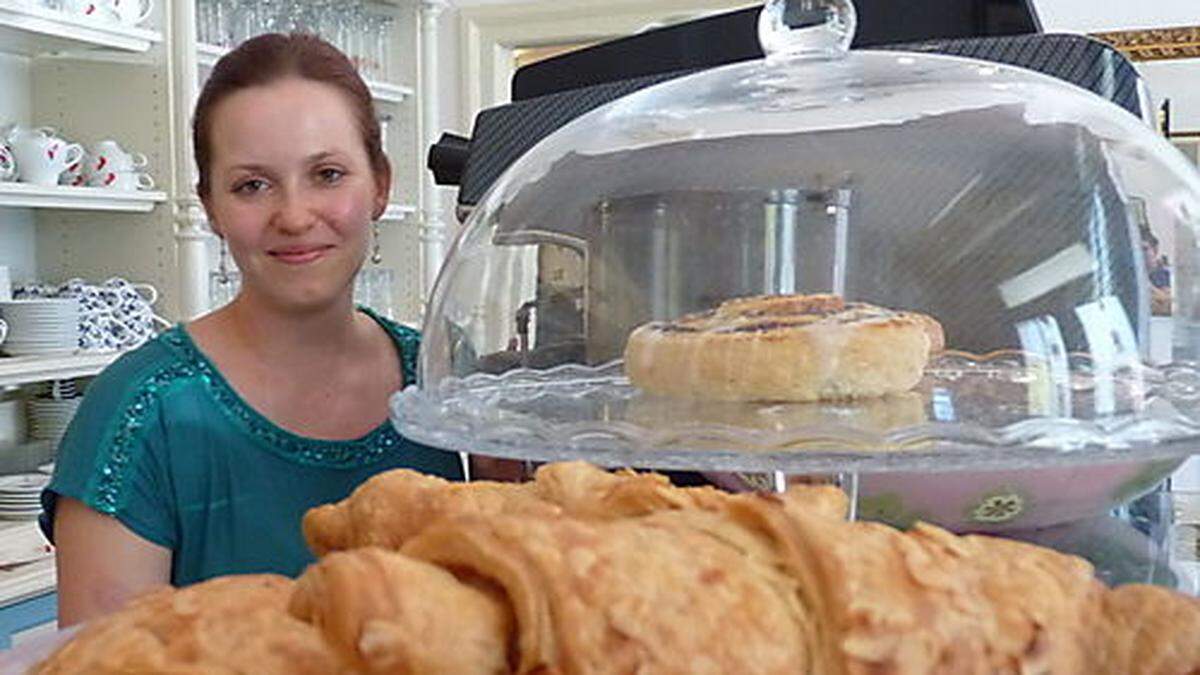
(818, 28)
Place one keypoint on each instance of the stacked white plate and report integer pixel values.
(49, 417)
(41, 326)
(20, 495)
(12, 422)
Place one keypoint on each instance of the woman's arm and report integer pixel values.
(502, 470)
(101, 564)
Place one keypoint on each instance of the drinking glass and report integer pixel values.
(204, 10)
(325, 19)
(290, 17)
(385, 120)
(381, 291)
(222, 290)
(373, 288)
(372, 28)
(387, 33)
(354, 22)
(221, 32)
(244, 20)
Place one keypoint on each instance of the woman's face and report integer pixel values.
(292, 191)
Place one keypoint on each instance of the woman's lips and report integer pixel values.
(299, 255)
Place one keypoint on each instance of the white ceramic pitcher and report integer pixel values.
(40, 158)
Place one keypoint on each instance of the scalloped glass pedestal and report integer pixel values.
(1029, 444)
(1003, 411)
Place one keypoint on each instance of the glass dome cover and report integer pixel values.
(1008, 206)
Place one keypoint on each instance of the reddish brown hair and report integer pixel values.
(268, 58)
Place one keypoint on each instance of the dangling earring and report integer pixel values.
(376, 256)
(223, 264)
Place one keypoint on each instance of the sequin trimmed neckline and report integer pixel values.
(339, 454)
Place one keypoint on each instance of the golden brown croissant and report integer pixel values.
(582, 571)
(389, 613)
(236, 624)
(629, 595)
(392, 507)
(1147, 630)
(612, 570)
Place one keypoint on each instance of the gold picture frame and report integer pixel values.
(1155, 44)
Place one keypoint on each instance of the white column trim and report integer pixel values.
(489, 32)
(191, 254)
(433, 226)
(191, 235)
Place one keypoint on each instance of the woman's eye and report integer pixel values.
(250, 186)
(331, 175)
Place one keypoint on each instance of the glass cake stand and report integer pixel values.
(990, 420)
(1005, 410)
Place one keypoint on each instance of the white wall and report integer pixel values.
(588, 18)
(1180, 82)
(1090, 16)
(1176, 80)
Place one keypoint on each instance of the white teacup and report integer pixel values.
(99, 10)
(109, 156)
(10, 133)
(147, 292)
(77, 173)
(40, 160)
(122, 180)
(8, 164)
(132, 12)
(107, 147)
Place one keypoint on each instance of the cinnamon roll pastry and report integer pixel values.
(783, 348)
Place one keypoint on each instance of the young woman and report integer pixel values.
(198, 454)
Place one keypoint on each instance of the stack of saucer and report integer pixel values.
(48, 417)
(41, 325)
(12, 422)
(20, 494)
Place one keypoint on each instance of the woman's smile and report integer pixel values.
(300, 254)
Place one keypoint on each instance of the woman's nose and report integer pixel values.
(293, 214)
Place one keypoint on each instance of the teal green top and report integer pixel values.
(165, 445)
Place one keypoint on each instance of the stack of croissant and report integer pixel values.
(585, 571)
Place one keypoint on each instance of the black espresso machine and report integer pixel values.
(577, 315)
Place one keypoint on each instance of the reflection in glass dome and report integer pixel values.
(1000, 202)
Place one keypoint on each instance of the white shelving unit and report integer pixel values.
(383, 92)
(207, 55)
(93, 81)
(23, 195)
(19, 370)
(399, 212)
(401, 240)
(137, 85)
(34, 31)
(27, 580)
